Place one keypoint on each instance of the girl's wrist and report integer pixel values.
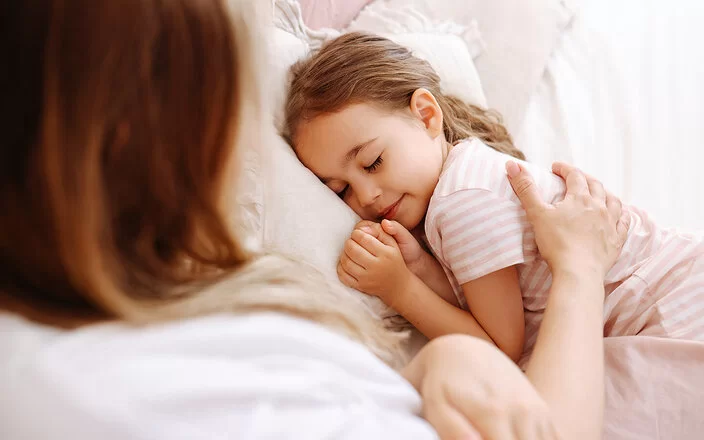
(401, 294)
(418, 266)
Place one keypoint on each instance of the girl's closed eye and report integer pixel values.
(376, 164)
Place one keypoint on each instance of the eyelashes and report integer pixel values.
(370, 169)
(373, 167)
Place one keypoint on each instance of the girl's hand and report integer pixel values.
(583, 232)
(374, 265)
(413, 254)
(471, 390)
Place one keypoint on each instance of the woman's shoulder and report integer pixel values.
(196, 378)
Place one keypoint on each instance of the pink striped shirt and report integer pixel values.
(475, 225)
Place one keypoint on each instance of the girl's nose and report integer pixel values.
(367, 194)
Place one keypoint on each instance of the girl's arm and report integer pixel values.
(494, 300)
(429, 313)
(497, 305)
(375, 265)
(430, 271)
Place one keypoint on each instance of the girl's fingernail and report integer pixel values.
(366, 229)
(512, 169)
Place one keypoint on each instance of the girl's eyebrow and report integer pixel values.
(352, 154)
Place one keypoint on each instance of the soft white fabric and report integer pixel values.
(623, 98)
(334, 14)
(261, 376)
(447, 46)
(519, 38)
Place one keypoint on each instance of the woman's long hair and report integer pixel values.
(120, 121)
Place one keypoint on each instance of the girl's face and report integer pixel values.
(382, 164)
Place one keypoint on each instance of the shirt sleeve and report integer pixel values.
(480, 233)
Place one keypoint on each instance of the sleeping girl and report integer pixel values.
(424, 168)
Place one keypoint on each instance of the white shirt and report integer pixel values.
(263, 376)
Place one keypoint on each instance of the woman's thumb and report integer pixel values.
(523, 185)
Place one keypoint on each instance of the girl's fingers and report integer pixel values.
(352, 268)
(358, 254)
(346, 279)
(368, 242)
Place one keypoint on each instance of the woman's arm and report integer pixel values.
(472, 390)
(567, 365)
(580, 238)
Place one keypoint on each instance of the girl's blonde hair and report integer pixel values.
(115, 168)
(364, 68)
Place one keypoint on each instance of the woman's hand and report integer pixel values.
(471, 390)
(372, 263)
(583, 232)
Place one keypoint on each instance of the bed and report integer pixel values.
(617, 89)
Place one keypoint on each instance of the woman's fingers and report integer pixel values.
(613, 205)
(622, 227)
(615, 208)
(596, 189)
(525, 428)
(449, 423)
(524, 186)
(495, 428)
(574, 179)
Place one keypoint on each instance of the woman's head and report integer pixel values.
(365, 91)
(119, 122)
(117, 139)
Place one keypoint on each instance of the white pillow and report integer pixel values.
(448, 47)
(519, 37)
(301, 216)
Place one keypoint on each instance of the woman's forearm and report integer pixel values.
(567, 365)
(432, 315)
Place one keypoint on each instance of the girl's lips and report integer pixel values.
(390, 212)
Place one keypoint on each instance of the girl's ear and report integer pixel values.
(425, 107)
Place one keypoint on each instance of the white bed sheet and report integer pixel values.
(623, 98)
